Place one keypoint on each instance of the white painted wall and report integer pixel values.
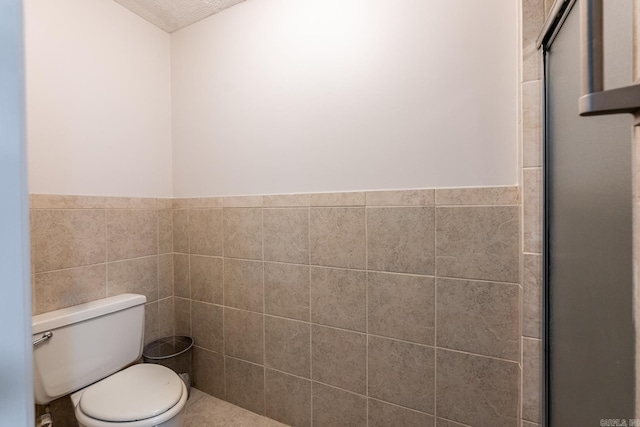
(277, 96)
(98, 100)
(16, 383)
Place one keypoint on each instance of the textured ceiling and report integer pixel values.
(171, 15)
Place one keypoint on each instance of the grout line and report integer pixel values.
(435, 315)
(77, 267)
(398, 406)
(264, 325)
(188, 255)
(309, 316)
(366, 309)
(106, 254)
(224, 341)
(158, 262)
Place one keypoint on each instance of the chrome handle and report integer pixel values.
(595, 100)
(46, 336)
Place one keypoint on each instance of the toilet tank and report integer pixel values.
(90, 341)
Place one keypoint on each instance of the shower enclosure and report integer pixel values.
(589, 334)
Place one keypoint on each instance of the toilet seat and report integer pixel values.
(142, 395)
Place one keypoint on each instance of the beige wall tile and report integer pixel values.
(131, 234)
(288, 399)
(401, 198)
(532, 299)
(479, 317)
(205, 232)
(286, 235)
(244, 384)
(68, 238)
(401, 306)
(480, 196)
(338, 298)
(180, 203)
(165, 231)
(338, 199)
(206, 275)
(205, 202)
(531, 374)
(287, 346)
(244, 335)
(130, 203)
(339, 358)
(164, 203)
(182, 309)
(243, 284)
(166, 318)
(181, 285)
(206, 326)
(165, 276)
(335, 407)
(477, 390)
(337, 237)
(532, 123)
(402, 373)
(532, 211)
(401, 240)
(181, 231)
(286, 200)
(150, 322)
(441, 422)
(33, 294)
(65, 288)
(54, 201)
(383, 414)
(528, 424)
(208, 372)
(243, 202)
(286, 290)
(532, 65)
(243, 233)
(532, 20)
(547, 6)
(136, 276)
(478, 243)
(32, 246)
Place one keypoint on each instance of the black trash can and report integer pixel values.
(174, 353)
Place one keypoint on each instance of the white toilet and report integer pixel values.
(82, 349)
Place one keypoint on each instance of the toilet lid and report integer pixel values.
(136, 393)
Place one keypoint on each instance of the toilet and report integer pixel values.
(82, 351)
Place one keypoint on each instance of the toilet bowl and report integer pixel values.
(144, 395)
(82, 351)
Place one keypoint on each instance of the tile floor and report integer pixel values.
(207, 411)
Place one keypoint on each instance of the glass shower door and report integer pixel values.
(589, 335)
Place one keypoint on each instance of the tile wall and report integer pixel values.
(355, 309)
(533, 15)
(87, 248)
(331, 309)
